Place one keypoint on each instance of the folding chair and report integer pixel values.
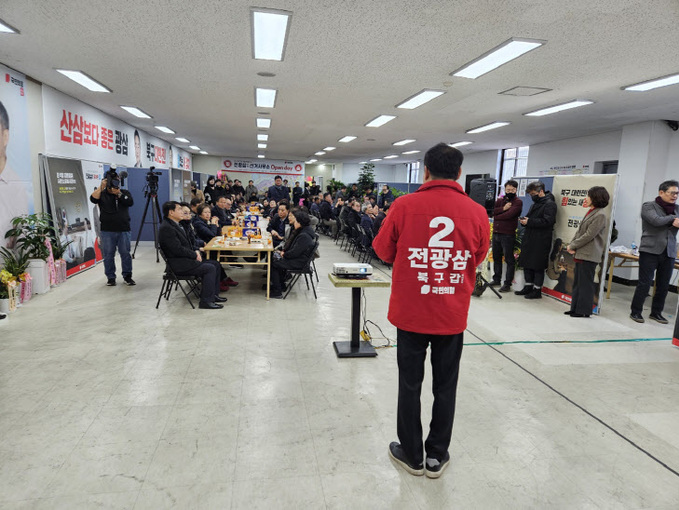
(308, 269)
(170, 279)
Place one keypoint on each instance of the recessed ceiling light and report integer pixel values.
(347, 139)
(84, 80)
(183, 140)
(136, 112)
(505, 52)
(329, 149)
(312, 161)
(260, 156)
(7, 29)
(194, 147)
(460, 144)
(319, 153)
(261, 146)
(404, 142)
(391, 157)
(654, 84)
(424, 96)
(558, 108)
(203, 152)
(265, 98)
(165, 129)
(380, 121)
(270, 29)
(263, 123)
(362, 162)
(410, 152)
(376, 159)
(262, 137)
(488, 127)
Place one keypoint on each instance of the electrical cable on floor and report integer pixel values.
(609, 427)
(367, 331)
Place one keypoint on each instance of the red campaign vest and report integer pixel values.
(435, 238)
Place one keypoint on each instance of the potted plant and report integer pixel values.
(5, 280)
(16, 264)
(31, 231)
(366, 179)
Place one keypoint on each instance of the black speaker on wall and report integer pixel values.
(483, 192)
(469, 178)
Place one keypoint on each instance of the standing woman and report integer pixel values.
(587, 248)
(209, 191)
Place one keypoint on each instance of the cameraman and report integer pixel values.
(115, 225)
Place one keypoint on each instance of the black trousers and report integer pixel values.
(210, 273)
(583, 287)
(278, 272)
(534, 276)
(662, 266)
(503, 244)
(446, 351)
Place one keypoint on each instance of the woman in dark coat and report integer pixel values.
(537, 239)
(204, 224)
(209, 191)
(296, 252)
(587, 248)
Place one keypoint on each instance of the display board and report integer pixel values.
(569, 193)
(16, 181)
(261, 171)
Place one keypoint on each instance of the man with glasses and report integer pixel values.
(657, 250)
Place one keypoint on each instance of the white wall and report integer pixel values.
(479, 163)
(348, 173)
(574, 151)
(207, 164)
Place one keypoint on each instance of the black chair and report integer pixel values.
(308, 269)
(170, 280)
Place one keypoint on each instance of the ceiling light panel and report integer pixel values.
(165, 129)
(194, 147)
(136, 112)
(311, 161)
(265, 98)
(654, 84)
(376, 159)
(328, 149)
(261, 146)
(380, 121)
(410, 152)
(319, 153)
(84, 80)
(183, 140)
(559, 108)
(488, 127)
(500, 55)
(261, 137)
(347, 139)
(7, 29)
(263, 123)
(420, 98)
(270, 29)
(460, 144)
(404, 142)
(392, 156)
(203, 152)
(260, 156)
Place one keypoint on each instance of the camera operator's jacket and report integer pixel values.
(435, 238)
(113, 211)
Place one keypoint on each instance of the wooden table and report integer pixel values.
(624, 259)
(356, 348)
(222, 250)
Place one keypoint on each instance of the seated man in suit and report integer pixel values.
(184, 260)
(222, 210)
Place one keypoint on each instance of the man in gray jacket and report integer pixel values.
(657, 251)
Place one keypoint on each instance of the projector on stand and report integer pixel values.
(352, 270)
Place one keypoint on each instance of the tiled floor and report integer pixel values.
(106, 402)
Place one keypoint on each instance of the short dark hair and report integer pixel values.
(512, 183)
(599, 196)
(284, 201)
(535, 186)
(443, 161)
(201, 208)
(169, 206)
(664, 186)
(285, 204)
(4, 117)
(185, 204)
(222, 196)
(326, 194)
(301, 216)
(344, 186)
(277, 177)
(196, 201)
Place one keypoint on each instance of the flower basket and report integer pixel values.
(13, 292)
(60, 267)
(26, 287)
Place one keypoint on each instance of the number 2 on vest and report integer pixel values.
(436, 241)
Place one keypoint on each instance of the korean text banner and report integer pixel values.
(16, 182)
(76, 130)
(286, 169)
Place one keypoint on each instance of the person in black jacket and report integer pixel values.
(209, 191)
(277, 224)
(184, 260)
(537, 239)
(114, 204)
(327, 215)
(296, 251)
(205, 225)
(297, 193)
(223, 212)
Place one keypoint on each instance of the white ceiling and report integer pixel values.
(189, 65)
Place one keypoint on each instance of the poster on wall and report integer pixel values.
(76, 130)
(73, 218)
(570, 193)
(16, 181)
(261, 171)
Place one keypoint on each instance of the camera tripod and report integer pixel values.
(151, 198)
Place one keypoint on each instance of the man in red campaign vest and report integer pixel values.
(434, 238)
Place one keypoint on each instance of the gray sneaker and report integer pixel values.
(398, 455)
(434, 467)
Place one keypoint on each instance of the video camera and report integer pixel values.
(114, 180)
(152, 182)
